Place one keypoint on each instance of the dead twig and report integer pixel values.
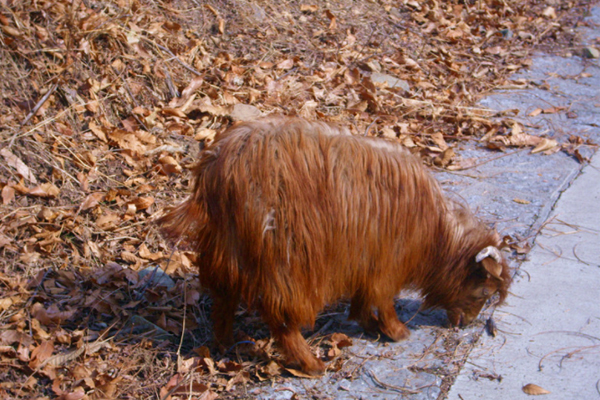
(88, 348)
(35, 109)
(38, 105)
(370, 125)
(567, 355)
(490, 159)
(577, 227)
(577, 257)
(284, 389)
(170, 85)
(584, 335)
(558, 254)
(173, 56)
(388, 386)
(322, 329)
(516, 316)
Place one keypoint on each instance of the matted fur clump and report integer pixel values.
(290, 215)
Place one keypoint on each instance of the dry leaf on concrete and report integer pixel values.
(534, 390)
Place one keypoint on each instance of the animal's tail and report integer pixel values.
(184, 223)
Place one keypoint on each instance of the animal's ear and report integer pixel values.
(491, 260)
(493, 267)
(490, 251)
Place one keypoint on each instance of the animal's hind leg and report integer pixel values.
(389, 324)
(223, 313)
(296, 351)
(362, 312)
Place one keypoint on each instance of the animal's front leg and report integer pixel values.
(296, 350)
(389, 324)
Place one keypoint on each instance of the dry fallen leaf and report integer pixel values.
(98, 131)
(308, 7)
(191, 88)
(130, 257)
(169, 166)
(45, 190)
(92, 200)
(41, 353)
(15, 162)
(544, 145)
(332, 19)
(467, 163)
(438, 139)
(299, 374)
(549, 12)
(4, 240)
(208, 395)
(534, 390)
(444, 159)
(144, 252)
(521, 201)
(11, 31)
(271, 369)
(173, 383)
(6, 302)
(205, 134)
(286, 64)
(142, 203)
(108, 221)
(340, 340)
(8, 194)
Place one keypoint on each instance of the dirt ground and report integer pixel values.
(105, 105)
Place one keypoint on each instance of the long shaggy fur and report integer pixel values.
(290, 215)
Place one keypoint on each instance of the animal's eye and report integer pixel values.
(482, 293)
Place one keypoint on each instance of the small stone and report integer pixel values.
(590, 52)
(158, 277)
(244, 112)
(506, 33)
(259, 13)
(391, 81)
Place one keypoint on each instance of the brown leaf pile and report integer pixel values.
(104, 107)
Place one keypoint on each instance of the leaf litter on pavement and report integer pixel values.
(105, 106)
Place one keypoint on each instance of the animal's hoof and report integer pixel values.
(314, 367)
(397, 332)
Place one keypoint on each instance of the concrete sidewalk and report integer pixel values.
(549, 330)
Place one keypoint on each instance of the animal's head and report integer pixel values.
(487, 275)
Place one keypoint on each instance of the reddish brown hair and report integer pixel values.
(291, 215)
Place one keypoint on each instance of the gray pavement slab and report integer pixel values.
(549, 331)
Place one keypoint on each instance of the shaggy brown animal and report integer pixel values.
(290, 215)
